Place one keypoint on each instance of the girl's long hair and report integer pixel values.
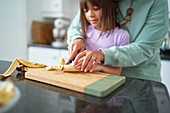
(108, 15)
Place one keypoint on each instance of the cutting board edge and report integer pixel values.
(102, 92)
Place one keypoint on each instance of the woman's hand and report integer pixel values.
(87, 60)
(75, 48)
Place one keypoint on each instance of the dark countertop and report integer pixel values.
(135, 96)
(47, 46)
(165, 55)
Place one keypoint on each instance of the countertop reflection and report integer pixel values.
(135, 96)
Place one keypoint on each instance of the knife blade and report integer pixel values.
(62, 68)
(69, 62)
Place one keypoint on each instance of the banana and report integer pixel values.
(11, 69)
(30, 64)
(69, 68)
(17, 62)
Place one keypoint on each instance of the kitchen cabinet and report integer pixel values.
(57, 8)
(165, 73)
(47, 55)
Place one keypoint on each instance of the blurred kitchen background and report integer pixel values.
(19, 17)
(35, 30)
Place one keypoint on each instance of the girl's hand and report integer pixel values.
(98, 67)
(75, 48)
(87, 60)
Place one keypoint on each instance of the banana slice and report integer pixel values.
(50, 68)
(62, 61)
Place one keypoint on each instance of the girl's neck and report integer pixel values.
(99, 29)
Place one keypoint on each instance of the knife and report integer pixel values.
(69, 62)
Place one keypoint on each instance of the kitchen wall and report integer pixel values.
(13, 29)
(15, 26)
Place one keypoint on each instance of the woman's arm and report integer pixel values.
(74, 38)
(108, 69)
(73, 31)
(147, 35)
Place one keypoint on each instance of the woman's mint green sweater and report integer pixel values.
(147, 28)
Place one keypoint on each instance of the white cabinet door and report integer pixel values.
(165, 73)
(50, 6)
(48, 56)
(57, 8)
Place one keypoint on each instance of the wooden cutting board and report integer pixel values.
(96, 84)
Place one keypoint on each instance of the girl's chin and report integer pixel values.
(96, 27)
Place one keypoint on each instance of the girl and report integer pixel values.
(100, 30)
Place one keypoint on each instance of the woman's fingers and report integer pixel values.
(78, 57)
(86, 63)
(90, 65)
(90, 58)
(81, 50)
(79, 63)
(95, 64)
(70, 49)
(73, 51)
(76, 47)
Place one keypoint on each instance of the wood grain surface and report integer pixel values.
(77, 81)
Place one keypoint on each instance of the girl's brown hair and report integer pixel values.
(108, 15)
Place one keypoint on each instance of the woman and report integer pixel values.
(140, 59)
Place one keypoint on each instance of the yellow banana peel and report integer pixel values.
(19, 61)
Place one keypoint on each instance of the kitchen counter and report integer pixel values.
(135, 96)
(165, 55)
(47, 46)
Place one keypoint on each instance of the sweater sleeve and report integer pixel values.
(73, 31)
(148, 41)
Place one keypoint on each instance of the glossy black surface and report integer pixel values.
(47, 46)
(135, 96)
(165, 54)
